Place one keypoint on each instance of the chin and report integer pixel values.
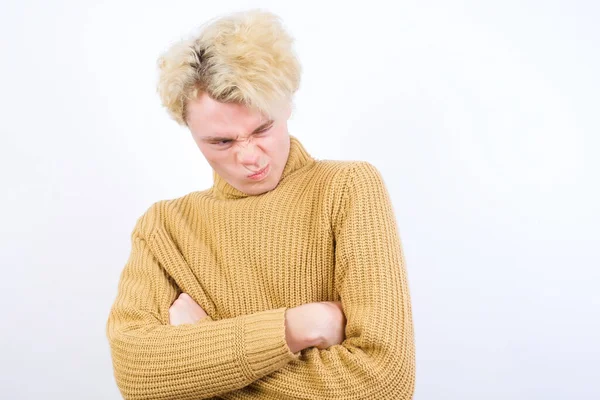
(260, 189)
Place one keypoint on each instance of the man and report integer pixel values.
(285, 279)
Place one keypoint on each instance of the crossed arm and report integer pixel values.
(318, 324)
(175, 358)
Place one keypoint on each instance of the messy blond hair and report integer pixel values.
(243, 58)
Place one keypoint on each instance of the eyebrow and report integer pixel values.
(219, 138)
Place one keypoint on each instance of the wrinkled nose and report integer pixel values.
(248, 155)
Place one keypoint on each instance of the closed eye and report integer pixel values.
(223, 142)
(265, 129)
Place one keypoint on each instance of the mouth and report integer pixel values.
(257, 176)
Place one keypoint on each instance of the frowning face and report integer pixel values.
(245, 148)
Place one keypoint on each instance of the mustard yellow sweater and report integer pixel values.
(327, 232)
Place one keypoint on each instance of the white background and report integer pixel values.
(481, 116)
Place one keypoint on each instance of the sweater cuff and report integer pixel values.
(266, 349)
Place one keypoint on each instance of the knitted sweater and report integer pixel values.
(327, 232)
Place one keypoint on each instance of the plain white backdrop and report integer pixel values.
(481, 116)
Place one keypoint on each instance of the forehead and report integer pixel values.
(207, 116)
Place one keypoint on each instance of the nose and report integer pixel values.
(248, 154)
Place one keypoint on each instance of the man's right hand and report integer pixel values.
(320, 324)
(185, 311)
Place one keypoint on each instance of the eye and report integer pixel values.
(264, 130)
(222, 143)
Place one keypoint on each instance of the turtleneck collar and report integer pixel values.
(298, 158)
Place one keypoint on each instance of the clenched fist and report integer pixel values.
(185, 311)
(320, 324)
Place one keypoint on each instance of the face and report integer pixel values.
(245, 148)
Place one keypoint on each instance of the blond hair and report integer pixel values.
(245, 58)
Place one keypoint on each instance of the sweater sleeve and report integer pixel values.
(154, 360)
(376, 360)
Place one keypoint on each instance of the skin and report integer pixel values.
(237, 142)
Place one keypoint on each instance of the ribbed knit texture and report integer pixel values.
(327, 232)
